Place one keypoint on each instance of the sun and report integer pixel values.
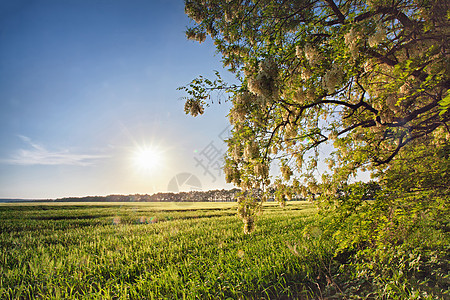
(147, 159)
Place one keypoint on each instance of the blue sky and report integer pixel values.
(86, 84)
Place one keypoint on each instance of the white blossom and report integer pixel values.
(312, 55)
(306, 74)
(313, 188)
(193, 107)
(368, 66)
(332, 78)
(300, 96)
(251, 151)
(311, 95)
(290, 131)
(299, 159)
(261, 170)
(351, 36)
(254, 86)
(391, 102)
(236, 152)
(286, 172)
(404, 89)
(333, 135)
(377, 37)
(330, 163)
(268, 68)
(351, 40)
(298, 52)
(249, 69)
(274, 150)
(263, 83)
(228, 17)
(243, 98)
(237, 114)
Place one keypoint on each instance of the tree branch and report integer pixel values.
(336, 11)
(414, 114)
(399, 146)
(401, 17)
(368, 123)
(402, 143)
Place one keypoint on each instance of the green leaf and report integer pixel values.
(445, 104)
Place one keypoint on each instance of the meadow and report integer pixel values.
(159, 251)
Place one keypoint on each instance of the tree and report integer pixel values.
(369, 77)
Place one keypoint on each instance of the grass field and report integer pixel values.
(157, 251)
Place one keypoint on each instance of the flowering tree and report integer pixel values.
(369, 77)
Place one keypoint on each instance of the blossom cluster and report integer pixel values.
(286, 172)
(232, 175)
(300, 96)
(333, 135)
(332, 78)
(299, 51)
(379, 36)
(261, 170)
(236, 153)
(290, 131)
(193, 107)
(196, 35)
(306, 74)
(237, 114)
(251, 151)
(312, 55)
(299, 160)
(263, 84)
(228, 16)
(351, 40)
(391, 102)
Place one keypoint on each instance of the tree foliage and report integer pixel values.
(369, 78)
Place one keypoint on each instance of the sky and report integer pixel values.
(89, 102)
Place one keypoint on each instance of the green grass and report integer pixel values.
(157, 251)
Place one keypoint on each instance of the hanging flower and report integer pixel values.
(290, 131)
(286, 172)
(193, 107)
(351, 40)
(261, 170)
(298, 51)
(300, 96)
(391, 102)
(332, 78)
(305, 74)
(312, 55)
(251, 151)
(379, 36)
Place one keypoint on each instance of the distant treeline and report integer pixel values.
(193, 196)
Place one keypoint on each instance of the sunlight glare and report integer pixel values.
(147, 159)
